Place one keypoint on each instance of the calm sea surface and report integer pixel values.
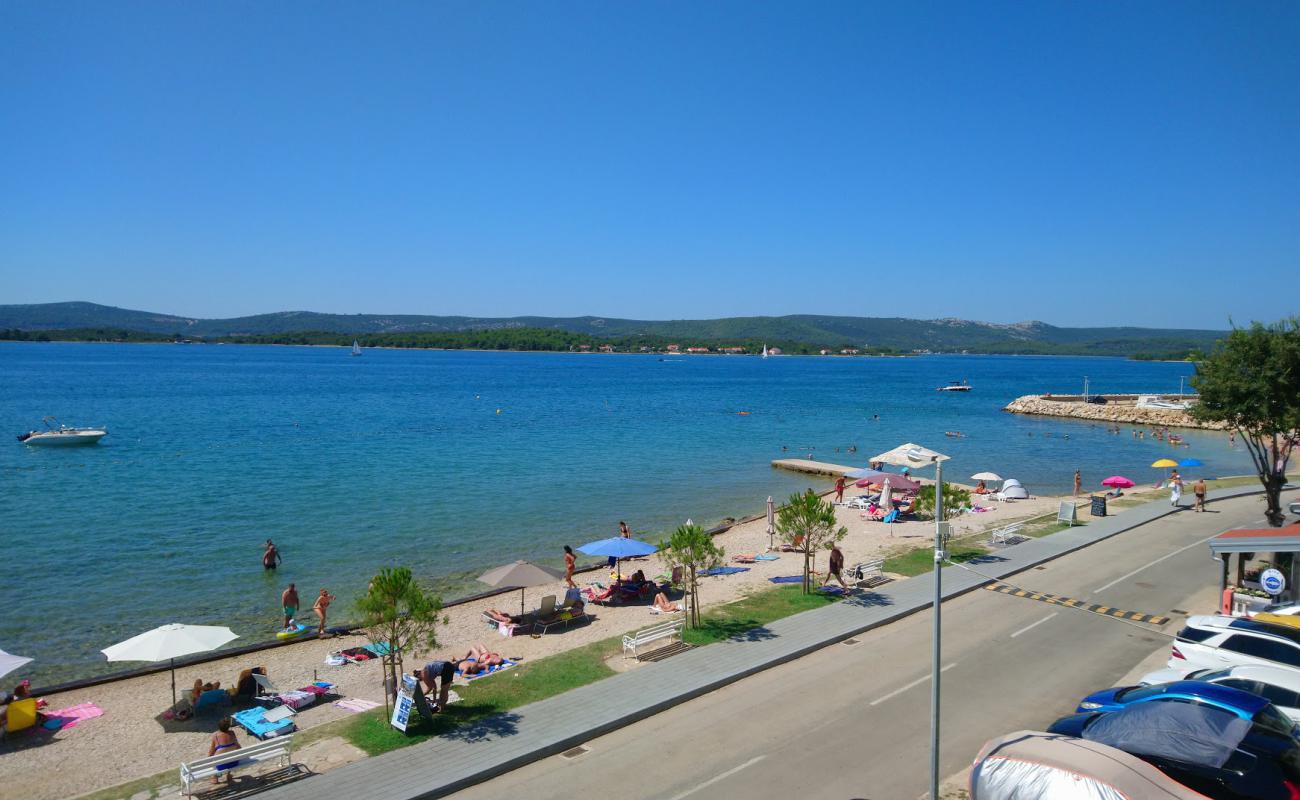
(454, 462)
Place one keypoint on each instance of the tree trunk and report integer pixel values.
(1273, 493)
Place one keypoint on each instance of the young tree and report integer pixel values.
(954, 498)
(694, 550)
(808, 522)
(398, 611)
(1251, 381)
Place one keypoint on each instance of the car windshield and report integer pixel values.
(1208, 674)
(1273, 721)
(1135, 693)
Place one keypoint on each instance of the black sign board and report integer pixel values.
(1098, 505)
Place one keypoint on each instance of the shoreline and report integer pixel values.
(1118, 410)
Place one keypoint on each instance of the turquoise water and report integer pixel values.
(400, 458)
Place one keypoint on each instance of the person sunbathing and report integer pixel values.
(503, 617)
(477, 660)
(560, 614)
(665, 606)
(980, 488)
(635, 579)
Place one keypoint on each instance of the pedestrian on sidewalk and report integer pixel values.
(1078, 483)
(1175, 490)
(1198, 489)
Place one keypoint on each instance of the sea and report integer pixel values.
(453, 462)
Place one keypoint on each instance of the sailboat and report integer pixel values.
(356, 348)
(764, 349)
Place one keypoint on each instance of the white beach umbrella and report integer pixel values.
(910, 455)
(170, 642)
(986, 476)
(10, 662)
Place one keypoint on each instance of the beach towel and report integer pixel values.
(319, 688)
(787, 579)
(296, 699)
(378, 649)
(507, 664)
(356, 704)
(721, 571)
(766, 557)
(69, 717)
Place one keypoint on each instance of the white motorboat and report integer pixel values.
(56, 435)
(955, 386)
(1156, 401)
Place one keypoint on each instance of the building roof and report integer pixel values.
(1258, 540)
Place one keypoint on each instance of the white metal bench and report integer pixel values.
(667, 631)
(869, 574)
(1008, 535)
(275, 748)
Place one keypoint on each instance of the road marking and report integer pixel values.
(717, 778)
(1070, 602)
(1123, 578)
(911, 685)
(1033, 625)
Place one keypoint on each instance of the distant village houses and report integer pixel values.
(697, 349)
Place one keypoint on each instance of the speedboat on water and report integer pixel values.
(1156, 401)
(56, 435)
(955, 386)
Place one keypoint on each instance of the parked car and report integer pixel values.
(1244, 704)
(1204, 748)
(1287, 609)
(1032, 765)
(1279, 685)
(1218, 642)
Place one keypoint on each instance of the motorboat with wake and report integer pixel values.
(57, 435)
(954, 386)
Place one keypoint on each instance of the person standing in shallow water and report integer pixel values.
(271, 557)
(289, 602)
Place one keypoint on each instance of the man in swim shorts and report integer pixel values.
(271, 558)
(290, 602)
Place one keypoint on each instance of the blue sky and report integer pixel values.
(1080, 163)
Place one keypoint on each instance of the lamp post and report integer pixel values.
(938, 599)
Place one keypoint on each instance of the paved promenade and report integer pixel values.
(475, 753)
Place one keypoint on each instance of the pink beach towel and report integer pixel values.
(74, 714)
(356, 704)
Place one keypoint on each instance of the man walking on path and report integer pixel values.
(1198, 489)
(839, 489)
(289, 601)
(1078, 483)
(836, 566)
(1175, 490)
(271, 558)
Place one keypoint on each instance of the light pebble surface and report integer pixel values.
(128, 742)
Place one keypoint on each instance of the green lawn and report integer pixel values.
(921, 560)
(755, 611)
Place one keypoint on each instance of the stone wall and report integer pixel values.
(1122, 411)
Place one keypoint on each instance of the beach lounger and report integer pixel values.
(672, 580)
(745, 558)
(563, 617)
(212, 698)
(255, 722)
(264, 685)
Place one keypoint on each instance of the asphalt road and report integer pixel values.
(852, 720)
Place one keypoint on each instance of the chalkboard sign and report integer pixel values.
(1098, 505)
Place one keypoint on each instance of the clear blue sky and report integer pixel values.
(1078, 163)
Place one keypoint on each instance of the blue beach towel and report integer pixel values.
(787, 579)
(766, 557)
(507, 664)
(379, 649)
(721, 571)
(891, 516)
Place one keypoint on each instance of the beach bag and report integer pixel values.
(335, 660)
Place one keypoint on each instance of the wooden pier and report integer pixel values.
(812, 467)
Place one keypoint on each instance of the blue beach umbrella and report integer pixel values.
(1190, 462)
(617, 547)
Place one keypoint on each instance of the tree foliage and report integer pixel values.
(398, 611)
(1251, 381)
(954, 498)
(694, 550)
(809, 523)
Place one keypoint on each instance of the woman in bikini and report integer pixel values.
(224, 739)
(570, 561)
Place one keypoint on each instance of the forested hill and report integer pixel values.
(869, 333)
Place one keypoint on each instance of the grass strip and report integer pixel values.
(754, 611)
(921, 560)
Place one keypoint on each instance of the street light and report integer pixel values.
(938, 599)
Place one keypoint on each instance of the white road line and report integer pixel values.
(1033, 625)
(911, 685)
(1123, 578)
(717, 778)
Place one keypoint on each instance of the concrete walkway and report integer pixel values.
(478, 752)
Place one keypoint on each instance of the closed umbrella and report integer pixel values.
(170, 642)
(522, 574)
(618, 547)
(887, 496)
(10, 662)
(771, 523)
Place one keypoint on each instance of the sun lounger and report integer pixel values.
(745, 558)
(563, 617)
(212, 698)
(673, 579)
(255, 722)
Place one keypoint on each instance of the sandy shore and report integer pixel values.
(129, 741)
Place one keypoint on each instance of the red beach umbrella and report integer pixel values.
(1118, 481)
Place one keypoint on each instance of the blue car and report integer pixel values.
(1250, 707)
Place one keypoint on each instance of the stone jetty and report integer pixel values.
(1118, 408)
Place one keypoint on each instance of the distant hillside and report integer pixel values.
(868, 332)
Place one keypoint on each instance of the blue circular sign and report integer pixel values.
(1272, 581)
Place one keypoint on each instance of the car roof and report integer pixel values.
(1226, 695)
(1248, 625)
(1276, 676)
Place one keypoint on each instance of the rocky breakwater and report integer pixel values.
(1117, 409)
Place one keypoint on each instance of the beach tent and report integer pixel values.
(522, 574)
(168, 643)
(1015, 492)
(1030, 765)
(1011, 482)
(10, 662)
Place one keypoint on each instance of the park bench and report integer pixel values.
(1008, 535)
(666, 631)
(869, 574)
(274, 748)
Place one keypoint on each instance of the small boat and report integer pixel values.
(1156, 401)
(764, 349)
(56, 435)
(954, 386)
(954, 434)
(356, 348)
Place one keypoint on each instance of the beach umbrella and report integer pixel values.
(771, 523)
(1191, 462)
(866, 474)
(1118, 481)
(618, 547)
(986, 476)
(1165, 462)
(522, 574)
(910, 455)
(887, 496)
(899, 483)
(10, 662)
(168, 643)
